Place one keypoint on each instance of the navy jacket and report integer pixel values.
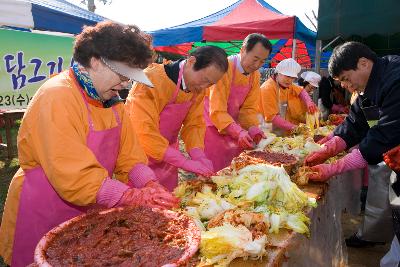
(374, 119)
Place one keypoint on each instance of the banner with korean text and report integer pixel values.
(27, 61)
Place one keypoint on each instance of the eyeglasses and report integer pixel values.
(121, 77)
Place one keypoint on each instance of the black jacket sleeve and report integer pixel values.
(354, 128)
(386, 134)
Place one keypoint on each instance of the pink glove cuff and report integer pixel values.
(305, 97)
(351, 161)
(280, 122)
(197, 153)
(355, 160)
(140, 175)
(110, 192)
(174, 157)
(255, 130)
(234, 130)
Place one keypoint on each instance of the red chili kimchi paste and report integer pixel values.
(134, 236)
(273, 157)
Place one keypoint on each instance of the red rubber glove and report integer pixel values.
(351, 161)
(113, 193)
(392, 158)
(152, 195)
(256, 134)
(329, 149)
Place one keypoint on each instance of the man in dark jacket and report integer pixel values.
(374, 119)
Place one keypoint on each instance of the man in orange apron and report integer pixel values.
(230, 106)
(74, 138)
(174, 105)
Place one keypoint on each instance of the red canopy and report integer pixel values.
(247, 18)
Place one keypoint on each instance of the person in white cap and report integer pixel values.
(76, 146)
(309, 81)
(282, 102)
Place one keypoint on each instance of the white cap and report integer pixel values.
(135, 74)
(312, 77)
(288, 67)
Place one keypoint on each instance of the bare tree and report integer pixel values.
(91, 6)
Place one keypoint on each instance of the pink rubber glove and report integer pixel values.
(283, 124)
(325, 139)
(305, 97)
(256, 134)
(175, 158)
(110, 192)
(242, 136)
(351, 161)
(329, 149)
(198, 154)
(140, 175)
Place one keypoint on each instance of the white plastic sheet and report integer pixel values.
(377, 224)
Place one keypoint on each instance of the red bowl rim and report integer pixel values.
(193, 238)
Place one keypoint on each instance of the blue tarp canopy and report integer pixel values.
(46, 15)
(229, 26)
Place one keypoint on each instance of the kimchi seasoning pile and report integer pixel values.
(133, 236)
(273, 157)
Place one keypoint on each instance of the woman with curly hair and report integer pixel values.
(76, 146)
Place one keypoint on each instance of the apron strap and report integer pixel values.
(278, 92)
(91, 127)
(116, 116)
(178, 85)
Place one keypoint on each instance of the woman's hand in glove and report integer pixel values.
(152, 195)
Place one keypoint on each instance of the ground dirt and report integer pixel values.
(361, 257)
